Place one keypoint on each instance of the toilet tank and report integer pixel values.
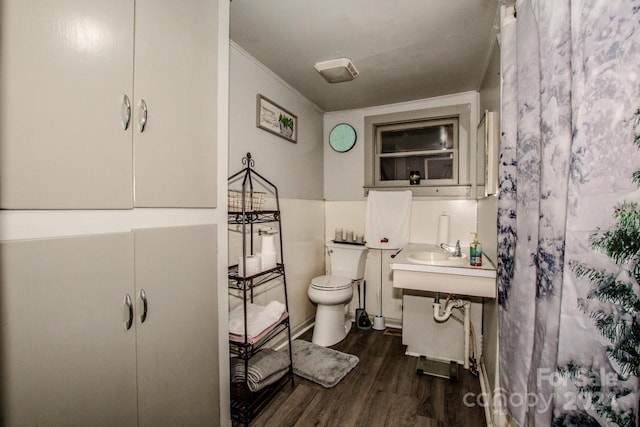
(347, 260)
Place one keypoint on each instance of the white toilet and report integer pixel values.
(332, 293)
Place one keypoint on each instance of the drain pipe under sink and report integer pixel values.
(465, 307)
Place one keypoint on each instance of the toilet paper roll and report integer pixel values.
(378, 322)
(268, 244)
(253, 264)
(267, 261)
(443, 229)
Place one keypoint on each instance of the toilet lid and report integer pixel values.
(330, 283)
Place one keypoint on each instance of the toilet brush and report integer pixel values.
(359, 304)
(362, 318)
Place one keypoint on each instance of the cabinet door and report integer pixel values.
(176, 77)
(65, 66)
(66, 356)
(177, 342)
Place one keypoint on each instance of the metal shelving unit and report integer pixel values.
(245, 404)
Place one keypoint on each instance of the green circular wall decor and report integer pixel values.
(342, 137)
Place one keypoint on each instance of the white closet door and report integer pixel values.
(67, 358)
(65, 67)
(178, 341)
(176, 77)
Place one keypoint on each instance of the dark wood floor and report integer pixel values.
(383, 390)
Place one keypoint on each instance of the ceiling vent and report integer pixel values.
(337, 70)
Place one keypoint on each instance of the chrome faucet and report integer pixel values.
(455, 251)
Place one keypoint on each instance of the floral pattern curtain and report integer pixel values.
(571, 86)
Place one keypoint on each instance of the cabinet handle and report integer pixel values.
(126, 104)
(143, 118)
(143, 297)
(129, 321)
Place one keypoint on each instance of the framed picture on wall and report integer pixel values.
(275, 119)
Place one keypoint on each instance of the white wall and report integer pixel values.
(296, 169)
(488, 227)
(490, 88)
(302, 240)
(221, 216)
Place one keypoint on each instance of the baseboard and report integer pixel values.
(489, 410)
(296, 332)
(495, 414)
(388, 321)
(310, 322)
(393, 323)
(302, 328)
(502, 417)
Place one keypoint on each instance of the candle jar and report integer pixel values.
(414, 178)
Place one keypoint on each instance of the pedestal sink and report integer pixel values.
(426, 267)
(430, 269)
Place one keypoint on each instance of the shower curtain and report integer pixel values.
(571, 86)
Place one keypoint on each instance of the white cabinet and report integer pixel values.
(66, 67)
(67, 355)
(67, 358)
(177, 344)
(176, 76)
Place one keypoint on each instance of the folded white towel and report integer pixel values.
(275, 309)
(388, 219)
(259, 318)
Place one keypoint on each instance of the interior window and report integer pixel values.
(423, 143)
(428, 147)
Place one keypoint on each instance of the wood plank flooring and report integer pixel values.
(383, 390)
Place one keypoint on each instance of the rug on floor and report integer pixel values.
(321, 365)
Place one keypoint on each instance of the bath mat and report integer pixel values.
(321, 365)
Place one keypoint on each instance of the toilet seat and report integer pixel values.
(330, 283)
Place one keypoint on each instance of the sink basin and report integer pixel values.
(436, 258)
(428, 268)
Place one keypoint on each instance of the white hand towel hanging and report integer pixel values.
(388, 219)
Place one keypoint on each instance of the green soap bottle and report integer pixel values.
(475, 252)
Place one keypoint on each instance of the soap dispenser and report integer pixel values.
(475, 252)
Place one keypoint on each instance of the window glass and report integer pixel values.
(421, 138)
(428, 147)
(437, 166)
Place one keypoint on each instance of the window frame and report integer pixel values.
(416, 153)
(458, 187)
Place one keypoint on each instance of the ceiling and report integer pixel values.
(403, 49)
